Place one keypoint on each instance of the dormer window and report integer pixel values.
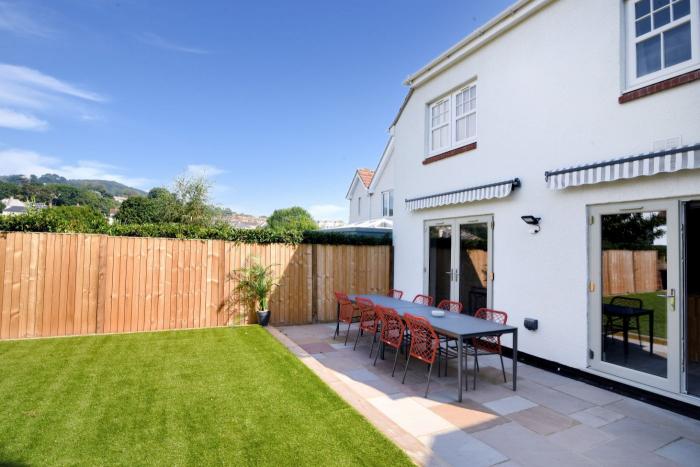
(452, 120)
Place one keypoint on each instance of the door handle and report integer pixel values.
(671, 295)
(450, 273)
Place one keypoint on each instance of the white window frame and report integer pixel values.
(388, 203)
(452, 120)
(632, 81)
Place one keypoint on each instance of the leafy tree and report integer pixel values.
(138, 210)
(166, 203)
(294, 218)
(193, 195)
(633, 231)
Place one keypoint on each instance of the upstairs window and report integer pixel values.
(387, 203)
(452, 120)
(359, 205)
(662, 38)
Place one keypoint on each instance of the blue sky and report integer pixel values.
(277, 101)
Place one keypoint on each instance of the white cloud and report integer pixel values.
(20, 161)
(155, 40)
(20, 121)
(203, 170)
(327, 211)
(39, 81)
(28, 91)
(15, 19)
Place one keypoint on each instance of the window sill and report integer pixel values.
(659, 86)
(450, 153)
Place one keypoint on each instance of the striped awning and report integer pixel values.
(466, 195)
(673, 160)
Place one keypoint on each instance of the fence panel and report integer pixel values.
(626, 271)
(76, 284)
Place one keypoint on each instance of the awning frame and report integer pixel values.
(621, 160)
(515, 183)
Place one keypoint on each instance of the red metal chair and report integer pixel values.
(368, 320)
(393, 293)
(426, 300)
(391, 333)
(346, 312)
(449, 349)
(424, 344)
(454, 307)
(489, 345)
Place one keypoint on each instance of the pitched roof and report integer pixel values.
(366, 176)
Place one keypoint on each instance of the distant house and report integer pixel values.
(13, 206)
(120, 199)
(371, 193)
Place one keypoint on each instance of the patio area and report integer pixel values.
(549, 420)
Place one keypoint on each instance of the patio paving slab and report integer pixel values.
(542, 420)
(460, 449)
(469, 416)
(528, 448)
(551, 398)
(589, 393)
(411, 416)
(509, 405)
(597, 416)
(645, 436)
(683, 452)
(580, 438)
(618, 454)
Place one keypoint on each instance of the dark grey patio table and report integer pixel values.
(455, 325)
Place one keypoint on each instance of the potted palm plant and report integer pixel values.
(254, 285)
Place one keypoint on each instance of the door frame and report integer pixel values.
(455, 223)
(672, 382)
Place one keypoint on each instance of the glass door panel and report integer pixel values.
(634, 286)
(440, 262)
(692, 297)
(473, 265)
(634, 277)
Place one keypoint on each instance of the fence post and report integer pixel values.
(314, 284)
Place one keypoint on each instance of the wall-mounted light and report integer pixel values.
(533, 221)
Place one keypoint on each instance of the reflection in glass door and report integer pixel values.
(458, 261)
(691, 239)
(474, 265)
(634, 285)
(440, 273)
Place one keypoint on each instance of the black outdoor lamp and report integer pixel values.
(533, 221)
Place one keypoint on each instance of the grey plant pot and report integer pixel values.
(263, 317)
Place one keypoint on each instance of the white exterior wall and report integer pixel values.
(359, 190)
(384, 182)
(547, 95)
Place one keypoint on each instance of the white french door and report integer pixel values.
(458, 261)
(634, 324)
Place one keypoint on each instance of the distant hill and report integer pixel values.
(110, 187)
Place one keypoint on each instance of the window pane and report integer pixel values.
(662, 17)
(472, 92)
(444, 136)
(435, 140)
(641, 8)
(649, 56)
(461, 128)
(681, 9)
(643, 26)
(677, 45)
(472, 104)
(471, 124)
(660, 3)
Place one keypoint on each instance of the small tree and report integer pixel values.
(254, 284)
(193, 195)
(294, 218)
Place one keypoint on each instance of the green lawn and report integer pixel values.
(226, 396)
(654, 302)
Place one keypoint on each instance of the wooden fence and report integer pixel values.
(73, 284)
(626, 271)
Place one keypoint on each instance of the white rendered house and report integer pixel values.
(584, 116)
(371, 193)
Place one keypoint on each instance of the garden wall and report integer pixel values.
(74, 284)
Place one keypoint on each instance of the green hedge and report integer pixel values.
(81, 220)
